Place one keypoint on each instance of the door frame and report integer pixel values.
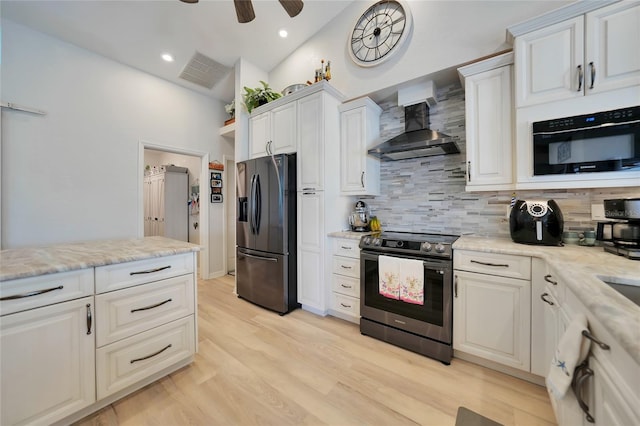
(204, 206)
(230, 196)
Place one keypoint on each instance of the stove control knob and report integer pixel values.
(425, 246)
(377, 242)
(366, 241)
(440, 248)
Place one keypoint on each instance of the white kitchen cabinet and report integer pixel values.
(274, 131)
(47, 362)
(492, 310)
(489, 127)
(359, 131)
(345, 279)
(311, 238)
(166, 210)
(587, 54)
(611, 407)
(311, 128)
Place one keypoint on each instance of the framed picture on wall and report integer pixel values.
(217, 176)
(216, 198)
(216, 183)
(216, 190)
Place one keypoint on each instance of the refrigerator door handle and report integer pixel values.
(269, 259)
(258, 204)
(252, 204)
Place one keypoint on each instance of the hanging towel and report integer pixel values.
(388, 276)
(572, 349)
(412, 281)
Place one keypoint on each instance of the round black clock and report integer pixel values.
(380, 32)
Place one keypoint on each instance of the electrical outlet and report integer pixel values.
(597, 212)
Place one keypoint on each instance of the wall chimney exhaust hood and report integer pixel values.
(417, 140)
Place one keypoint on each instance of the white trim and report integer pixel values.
(227, 199)
(485, 65)
(204, 207)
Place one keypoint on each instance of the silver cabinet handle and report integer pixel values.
(89, 318)
(33, 293)
(577, 389)
(591, 337)
(548, 279)
(345, 267)
(469, 171)
(344, 306)
(593, 74)
(543, 297)
(150, 271)
(152, 355)
(500, 265)
(362, 179)
(580, 77)
(345, 286)
(455, 287)
(345, 247)
(146, 308)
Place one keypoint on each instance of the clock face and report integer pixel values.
(379, 32)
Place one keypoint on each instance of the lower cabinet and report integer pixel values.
(311, 251)
(345, 279)
(47, 362)
(491, 309)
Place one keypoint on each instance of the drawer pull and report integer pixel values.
(577, 385)
(33, 293)
(548, 279)
(543, 297)
(501, 265)
(151, 307)
(150, 271)
(590, 336)
(345, 267)
(345, 306)
(152, 355)
(345, 286)
(89, 318)
(345, 247)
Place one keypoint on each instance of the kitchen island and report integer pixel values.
(84, 324)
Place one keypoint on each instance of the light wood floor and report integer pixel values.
(256, 367)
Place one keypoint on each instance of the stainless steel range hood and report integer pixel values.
(417, 140)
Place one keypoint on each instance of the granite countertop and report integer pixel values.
(33, 261)
(348, 234)
(579, 267)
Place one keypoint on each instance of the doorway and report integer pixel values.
(154, 155)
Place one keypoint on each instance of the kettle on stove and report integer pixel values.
(359, 218)
(536, 222)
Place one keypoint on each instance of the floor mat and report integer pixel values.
(466, 417)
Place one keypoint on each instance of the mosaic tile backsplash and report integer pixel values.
(427, 194)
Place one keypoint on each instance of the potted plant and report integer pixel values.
(253, 98)
(231, 110)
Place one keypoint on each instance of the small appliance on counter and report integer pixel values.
(359, 219)
(536, 222)
(623, 235)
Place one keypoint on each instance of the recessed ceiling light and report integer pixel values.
(167, 57)
(283, 33)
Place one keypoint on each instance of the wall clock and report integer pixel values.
(380, 32)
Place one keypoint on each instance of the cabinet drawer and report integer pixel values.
(346, 266)
(345, 304)
(128, 361)
(346, 248)
(122, 275)
(124, 313)
(43, 290)
(504, 265)
(348, 286)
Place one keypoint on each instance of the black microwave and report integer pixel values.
(601, 142)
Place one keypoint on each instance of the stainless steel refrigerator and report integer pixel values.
(266, 232)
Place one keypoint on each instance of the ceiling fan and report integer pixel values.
(245, 13)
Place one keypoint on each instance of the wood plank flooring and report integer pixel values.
(255, 367)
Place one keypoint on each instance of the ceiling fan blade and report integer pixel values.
(244, 10)
(293, 7)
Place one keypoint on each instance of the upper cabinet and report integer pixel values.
(359, 131)
(274, 131)
(488, 111)
(310, 173)
(591, 53)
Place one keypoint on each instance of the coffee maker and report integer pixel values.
(359, 218)
(621, 236)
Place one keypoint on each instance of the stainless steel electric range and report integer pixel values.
(425, 327)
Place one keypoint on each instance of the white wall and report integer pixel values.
(72, 175)
(445, 34)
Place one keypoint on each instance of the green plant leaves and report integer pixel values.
(258, 96)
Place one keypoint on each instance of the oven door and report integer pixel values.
(433, 319)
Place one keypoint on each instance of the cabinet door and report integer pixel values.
(283, 129)
(613, 47)
(610, 406)
(548, 61)
(489, 130)
(310, 170)
(545, 328)
(47, 363)
(311, 288)
(353, 150)
(259, 134)
(491, 317)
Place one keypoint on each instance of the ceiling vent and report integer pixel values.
(203, 71)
